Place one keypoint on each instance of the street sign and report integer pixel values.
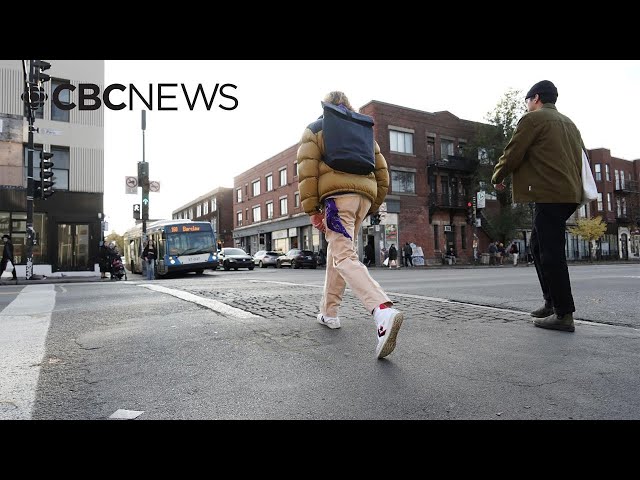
(481, 199)
(145, 201)
(131, 184)
(154, 186)
(49, 131)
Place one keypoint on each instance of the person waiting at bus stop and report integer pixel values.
(150, 254)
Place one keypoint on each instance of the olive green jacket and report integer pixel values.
(545, 157)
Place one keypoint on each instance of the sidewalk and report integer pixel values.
(40, 279)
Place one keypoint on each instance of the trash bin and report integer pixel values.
(485, 258)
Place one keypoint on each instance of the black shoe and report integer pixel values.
(542, 312)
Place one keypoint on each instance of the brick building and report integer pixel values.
(214, 207)
(618, 203)
(267, 211)
(427, 199)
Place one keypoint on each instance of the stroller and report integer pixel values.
(117, 269)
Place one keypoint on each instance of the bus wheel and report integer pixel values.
(200, 272)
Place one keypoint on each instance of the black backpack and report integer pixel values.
(348, 140)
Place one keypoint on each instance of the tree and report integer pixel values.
(119, 239)
(488, 145)
(590, 229)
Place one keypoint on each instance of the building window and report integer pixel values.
(205, 207)
(283, 177)
(446, 149)
(255, 188)
(436, 238)
(269, 181)
(239, 195)
(618, 207)
(622, 179)
(403, 182)
(283, 206)
(463, 235)
(246, 214)
(191, 214)
(295, 169)
(606, 172)
(598, 171)
(609, 206)
(214, 204)
(624, 207)
(269, 210)
(198, 210)
(65, 98)
(401, 142)
(239, 218)
(296, 200)
(256, 213)
(616, 176)
(599, 201)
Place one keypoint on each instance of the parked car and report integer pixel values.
(234, 258)
(297, 258)
(264, 258)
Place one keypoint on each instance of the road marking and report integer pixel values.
(23, 330)
(210, 303)
(122, 414)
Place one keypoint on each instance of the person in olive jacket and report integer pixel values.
(545, 158)
(337, 203)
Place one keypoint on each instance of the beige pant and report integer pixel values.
(343, 265)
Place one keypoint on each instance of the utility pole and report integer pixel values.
(33, 98)
(143, 180)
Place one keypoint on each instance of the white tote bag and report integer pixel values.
(589, 189)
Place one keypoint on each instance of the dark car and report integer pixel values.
(297, 258)
(234, 258)
(264, 258)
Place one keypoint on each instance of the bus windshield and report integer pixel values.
(190, 243)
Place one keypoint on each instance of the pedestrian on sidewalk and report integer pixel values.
(545, 157)
(7, 256)
(150, 254)
(337, 203)
(393, 256)
(408, 252)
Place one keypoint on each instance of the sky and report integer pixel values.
(191, 152)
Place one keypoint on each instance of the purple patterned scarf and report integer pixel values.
(333, 219)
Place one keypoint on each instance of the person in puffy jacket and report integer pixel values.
(337, 203)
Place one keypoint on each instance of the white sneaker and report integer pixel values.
(388, 320)
(331, 322)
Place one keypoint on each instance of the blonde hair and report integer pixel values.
(338, 98)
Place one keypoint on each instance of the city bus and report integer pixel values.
(182, 245)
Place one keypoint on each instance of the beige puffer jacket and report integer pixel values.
(317, 180)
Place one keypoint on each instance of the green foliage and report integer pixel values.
(119, 239)
(505, 224)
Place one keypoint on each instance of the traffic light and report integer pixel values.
(40, 66)
(36, 96)
(470, 213)
(375, 219)
(143, 181)
(46, 176)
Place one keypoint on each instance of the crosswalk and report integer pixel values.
(24, 324)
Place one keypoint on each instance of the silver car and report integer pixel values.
(264, 258)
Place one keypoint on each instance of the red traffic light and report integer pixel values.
(469, 204)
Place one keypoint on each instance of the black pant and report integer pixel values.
(548, 249)
(3, 267)
(407, 260)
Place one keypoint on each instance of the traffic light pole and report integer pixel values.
(145, 182)
(30, 189)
